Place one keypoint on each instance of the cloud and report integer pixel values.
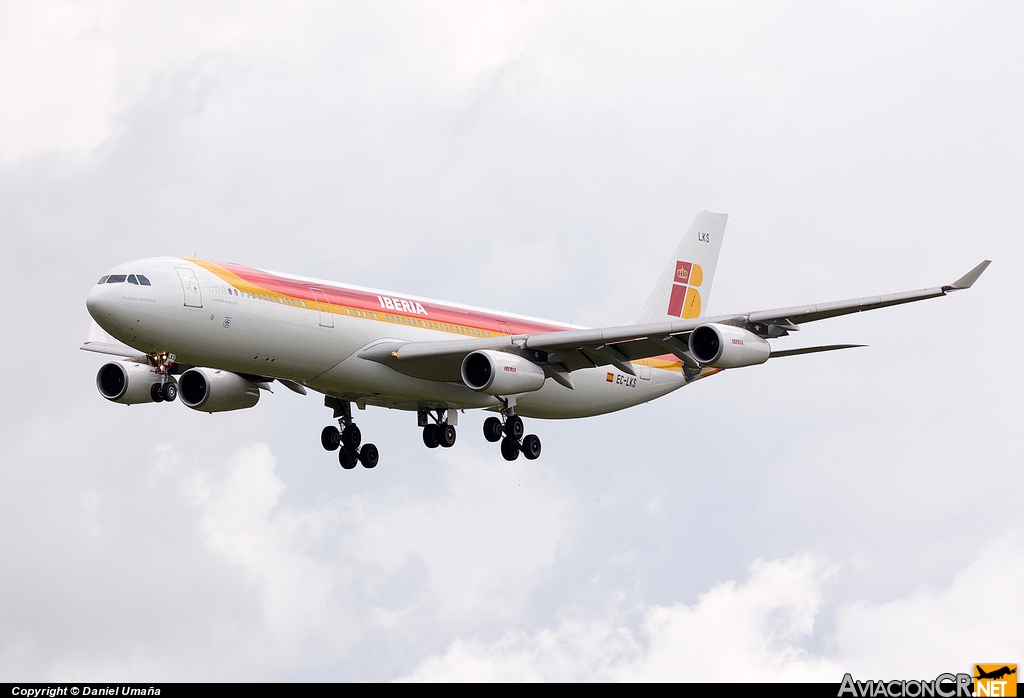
(759, 631)
(287, 588)
(933, 630)
(750, 631)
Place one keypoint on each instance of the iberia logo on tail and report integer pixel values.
(685, 299)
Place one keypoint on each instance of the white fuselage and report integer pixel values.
(249, 321)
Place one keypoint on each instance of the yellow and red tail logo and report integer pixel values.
(995, 680)
(685, 299)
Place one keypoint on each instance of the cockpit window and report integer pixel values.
(102, 280)
(132, 279)
(116, 279)
(143, 280)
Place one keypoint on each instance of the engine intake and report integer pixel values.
(126, 382)
(500, 373)
(725, 346)
(210, 390)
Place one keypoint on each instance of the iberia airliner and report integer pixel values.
(217, 334)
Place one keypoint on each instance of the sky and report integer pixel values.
(844, 512)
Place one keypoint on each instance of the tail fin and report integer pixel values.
(684, 288)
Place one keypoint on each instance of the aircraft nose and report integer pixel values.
(99, 302)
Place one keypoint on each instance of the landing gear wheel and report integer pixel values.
(446, 435)
(514, 427)
(330, 437)
(430, 436)
(169, 391)
(156, 393)
(492, 429)
(351, 437)
(509, 448)
(531, 447)
(347, 458)
(368, 456)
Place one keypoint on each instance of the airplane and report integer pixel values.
(217, 334)
(995, 674)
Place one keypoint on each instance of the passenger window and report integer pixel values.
(132, 279)
(143, 280)
(116, 279)
(102, 280)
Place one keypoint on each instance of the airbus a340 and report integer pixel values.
(217, 334)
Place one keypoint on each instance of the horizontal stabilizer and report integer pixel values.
(814, 350)
(968, 279)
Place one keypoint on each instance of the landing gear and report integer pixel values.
(509, 448)
(368, 456)
(492, 429)
(514, 427)
(510, 433)
(347, 459)
(351, 437)
(531, 447)
(442, 431)
(347, 440)
(169, 391)
(164, 392)
(330, 438)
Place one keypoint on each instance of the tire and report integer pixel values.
(352, 437)
(514, 427)
(509, 448)
(330, 437)
(369, 456)
(492, 429)
(169, 391)
(347, 459)
(154, 392)
(430, 436)
(531, 447)
(446, 435)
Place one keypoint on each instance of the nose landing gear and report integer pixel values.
(347, 440)
(166, 390)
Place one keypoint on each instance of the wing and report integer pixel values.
(115, 349)
(560, 353)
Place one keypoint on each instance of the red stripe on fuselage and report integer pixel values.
(365, 300)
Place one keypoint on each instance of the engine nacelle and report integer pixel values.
(210, 390)
(501, 373)
(127, 382)
(725, 346)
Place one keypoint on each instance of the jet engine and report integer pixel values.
(725, 346)
(210, 390)
(127, 382)
(501, 373)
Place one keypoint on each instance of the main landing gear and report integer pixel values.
(442, 431)
(347, 440)
(510, 433)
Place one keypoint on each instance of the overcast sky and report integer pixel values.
(854, 511)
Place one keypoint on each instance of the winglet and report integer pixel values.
(968, 279)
